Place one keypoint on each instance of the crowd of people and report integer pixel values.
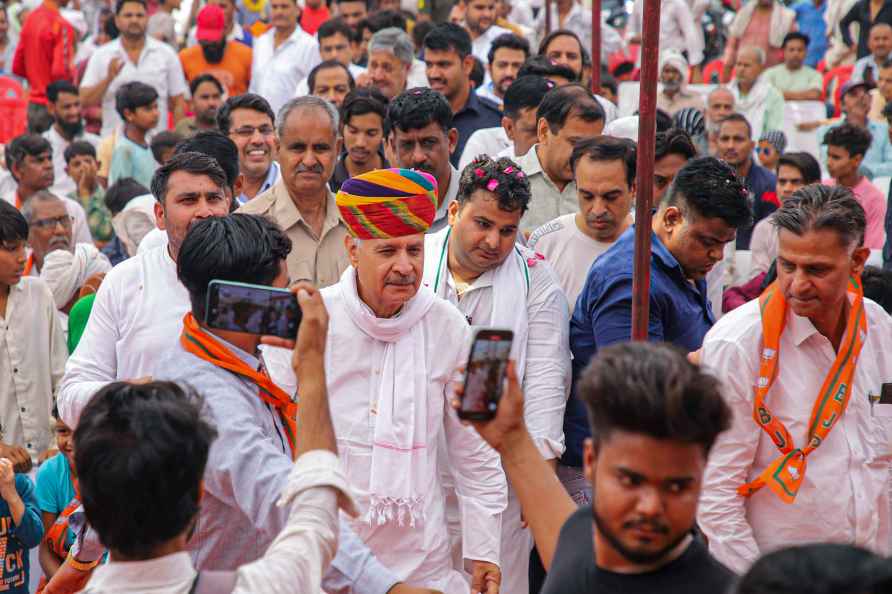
(412, 172)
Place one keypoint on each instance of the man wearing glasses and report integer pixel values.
(248, 120)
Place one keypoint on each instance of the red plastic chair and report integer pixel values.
(13, 109)
(714, 67)
(840, 75)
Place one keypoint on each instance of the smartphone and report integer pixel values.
(485, 373)
(253, 309)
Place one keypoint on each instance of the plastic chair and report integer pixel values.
(840, 75)
(713, 68)
(13, 109)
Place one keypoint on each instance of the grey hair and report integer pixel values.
(760, 53)
(718, 89)
(307, 102)
(396, 41)
(41, 196)
(817, 207)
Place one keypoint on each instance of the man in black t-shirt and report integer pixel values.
(654, 416)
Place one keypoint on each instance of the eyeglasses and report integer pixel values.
(51, 223)
(248, 131)
(765, 150)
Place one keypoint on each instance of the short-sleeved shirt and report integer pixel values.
(162, 26)
(802, 79)
(158, 66)
(54, 487)
(233, 71)
(132, 160)
(810, 20)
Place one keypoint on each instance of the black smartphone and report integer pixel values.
(485, 373)
(253, 309)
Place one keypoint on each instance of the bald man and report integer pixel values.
(719, 105)
(879, 43)
(754, 96)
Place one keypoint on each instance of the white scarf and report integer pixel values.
(781, 20)
(510, 286)
(65, 272)
(753, 105)
(400, 441)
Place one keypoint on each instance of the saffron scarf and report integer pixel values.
(204, 346)
(784, 476)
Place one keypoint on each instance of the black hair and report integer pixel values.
(878, 286)
(738, 117)
(367, 3)
(60, 86)
(525, 92)
(311, 79)
(605, 149)
(332, 27)
(13, 225)
(674, 142)
(623, 68)
(546, 41)
(242, 248)
(569, 100)
(664, 120)
(362, 101)
(217, 145)
(111, 28)
(512, 188)
(420, 31)
(542, 66)
(119, 4)
(806, 164)
(121, 192)
(449, 36)
(825, 568)
(25, 145)
(710, 188)
(246, 101)
(383, 19)
(203, 78)
(478, 73)
(79, 148)
(817, 207)
(418, 107)
(794, 36)
(195, 163)
(132, 95)
(609, 83)
(652, 389)
(162, 142)
(140, 453)
(510, 41)
(855, 139)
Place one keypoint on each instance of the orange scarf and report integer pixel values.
(784, 476)
(204, 346)
(29, 264)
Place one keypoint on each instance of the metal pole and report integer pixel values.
(547, 17)
(596, 46)
(647, 126)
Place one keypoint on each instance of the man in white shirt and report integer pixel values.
(810, 336)
(480, 18)
(476, 265)
(566, 115)
(32, 349)
(283, 56)
(604, 172)
(334, 44)
(134, 56)
(64, 105)
(396, 429)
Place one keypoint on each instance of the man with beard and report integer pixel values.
(480, 18)
(133, 56)
(233, 30)
(301, 202)
(674, 94)
(64, 105)
(421, 137)
(248, 121)
(207, 94)
(227, 61)
(506, 55)
(447, 55)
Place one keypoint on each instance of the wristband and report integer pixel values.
(80, 565)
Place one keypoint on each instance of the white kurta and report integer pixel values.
(420, 554)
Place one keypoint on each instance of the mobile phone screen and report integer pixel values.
(485, 374)
(252, 309)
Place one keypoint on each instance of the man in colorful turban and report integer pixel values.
(398, 347)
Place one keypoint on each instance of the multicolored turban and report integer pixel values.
(388, 203)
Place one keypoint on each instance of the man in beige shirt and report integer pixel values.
(300, 202)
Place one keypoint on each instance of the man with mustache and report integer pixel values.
(248, 121)
(447, 55)
(674, 94)
(207, 94)
(390, 409)
(719, 105)
(301, 201)
(422, 137)
(477, 265)
(226, 60)
(64, 106)
(506, 55)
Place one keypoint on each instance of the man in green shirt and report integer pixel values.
(795, 80)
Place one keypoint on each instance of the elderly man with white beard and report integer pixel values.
(390, 406)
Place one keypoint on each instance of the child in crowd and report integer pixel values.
(137, 104)
(82, 166)
(20, 528)
(771, 147)
(163, 145)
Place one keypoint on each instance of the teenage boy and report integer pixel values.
(137, 104)
(82, 167)
(362, 128)
(163, 146)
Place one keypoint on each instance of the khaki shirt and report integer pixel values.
(547, 202)
(320, 260)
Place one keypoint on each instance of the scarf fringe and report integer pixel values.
(403, 511)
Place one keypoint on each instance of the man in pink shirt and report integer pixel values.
(846, 146)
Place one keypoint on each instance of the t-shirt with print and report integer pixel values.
(16, 541)
(54, 487)
(573, 569)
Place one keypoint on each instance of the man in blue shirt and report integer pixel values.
(810, 21)
(698, 215)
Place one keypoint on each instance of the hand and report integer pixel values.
(313, 331)
(86, 181)
(486, 578)
(694, 357)
(7, 478)
(364, 80)
(46, 455)
(114, 67)
(508, 423)
(20, 458)
(808, 126)
(407, 589)
(91, 285)
(139, 381)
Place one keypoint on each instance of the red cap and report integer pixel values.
(211, 23)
